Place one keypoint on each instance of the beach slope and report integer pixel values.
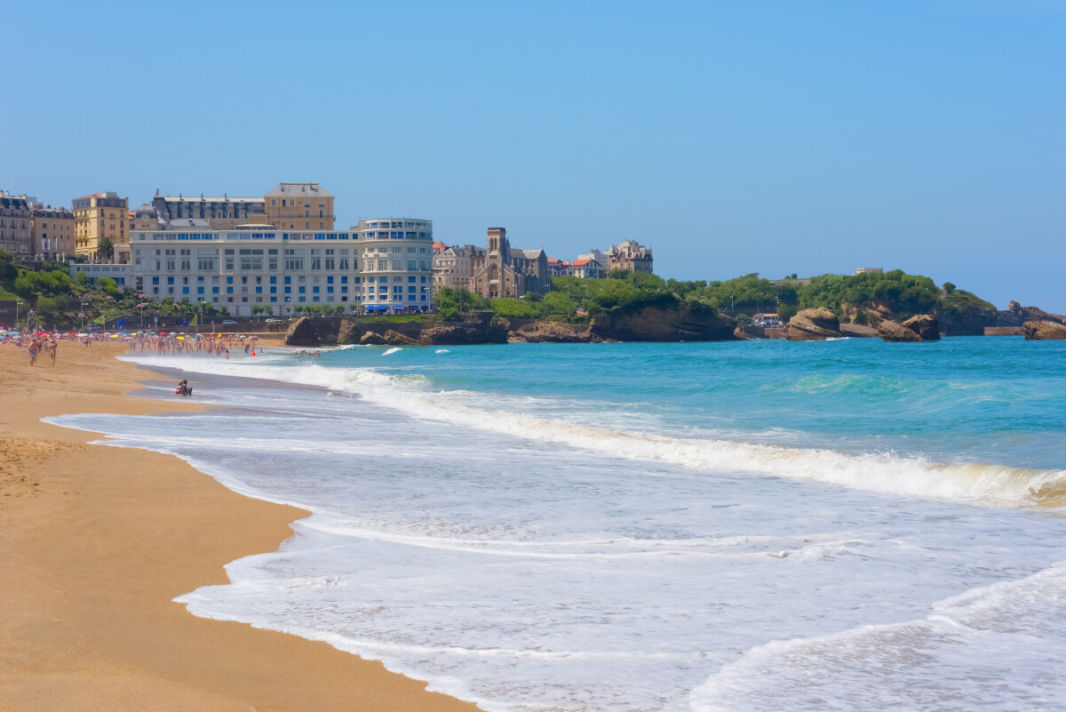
(97, 541)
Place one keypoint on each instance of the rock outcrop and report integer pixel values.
(813, 325)
(860, 331)
(537, 332)
(320, 331)
(678, 322)
(395, 338)
(458, 334)
(371, 338)
(921, 327)
(1041, 330)
(894, 332)
(926, 326)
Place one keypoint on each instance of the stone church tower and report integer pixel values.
(498, 264)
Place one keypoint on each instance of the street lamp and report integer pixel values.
(18, 303)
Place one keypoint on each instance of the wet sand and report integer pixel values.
(97, 541)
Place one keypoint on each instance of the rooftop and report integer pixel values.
(297, 189)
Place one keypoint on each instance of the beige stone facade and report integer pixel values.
(631, 256)
(53, 233)
(299, 206)
(15, 228)
(99, 217)
(453, 267)
(505, 272)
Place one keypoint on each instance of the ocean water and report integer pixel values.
(679, 527)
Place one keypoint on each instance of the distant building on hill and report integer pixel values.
(869, 270)
(100, 218)
(586, 268)
(453, 266)
(630, 256)
(16, 234)
(53, 233)
(288, 206)
(558, 268)
(503, 271)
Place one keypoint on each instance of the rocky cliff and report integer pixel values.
(681, 322)
(973, 321)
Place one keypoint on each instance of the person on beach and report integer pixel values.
(52, 348)
(33, 351)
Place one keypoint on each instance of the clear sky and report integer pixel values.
(730, 137)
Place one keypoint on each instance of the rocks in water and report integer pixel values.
(372, 338)
(893, 331)
(395, 338)
(926, 326)
(860, 331)
(308, 331)
(537, 332)
(455, 334)
(1040, 330)
(672, 320)
(813, 325)
(921, 327)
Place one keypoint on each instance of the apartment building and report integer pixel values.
(223, 213)
(299, 206)
(382, 265)
(15, 228)
(101, 223)
(453, 266)
(52, 231)
(629, 255)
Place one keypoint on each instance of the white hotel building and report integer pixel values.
(381, 265)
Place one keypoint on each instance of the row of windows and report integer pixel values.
(390, 224)
(398, 300)
(396, 235)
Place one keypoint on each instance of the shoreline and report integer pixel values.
(97, 541)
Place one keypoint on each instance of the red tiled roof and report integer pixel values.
(579, 263)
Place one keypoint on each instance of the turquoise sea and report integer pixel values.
(687, 527)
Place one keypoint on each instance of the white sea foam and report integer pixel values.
(390, 352)
(975, 483)
(564, 561)
(989, 648)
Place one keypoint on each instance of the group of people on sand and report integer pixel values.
(215, 345)
(39, 344)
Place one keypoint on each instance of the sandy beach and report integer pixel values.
(97, 541)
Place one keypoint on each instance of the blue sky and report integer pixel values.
(730, 137)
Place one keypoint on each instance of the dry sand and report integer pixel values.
(96, 542)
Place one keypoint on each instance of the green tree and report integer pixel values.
(106, 248)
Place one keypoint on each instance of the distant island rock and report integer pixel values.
(921, 327)
(1043, 330)
(813, 325)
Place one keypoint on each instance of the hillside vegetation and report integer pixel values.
(57, 300)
